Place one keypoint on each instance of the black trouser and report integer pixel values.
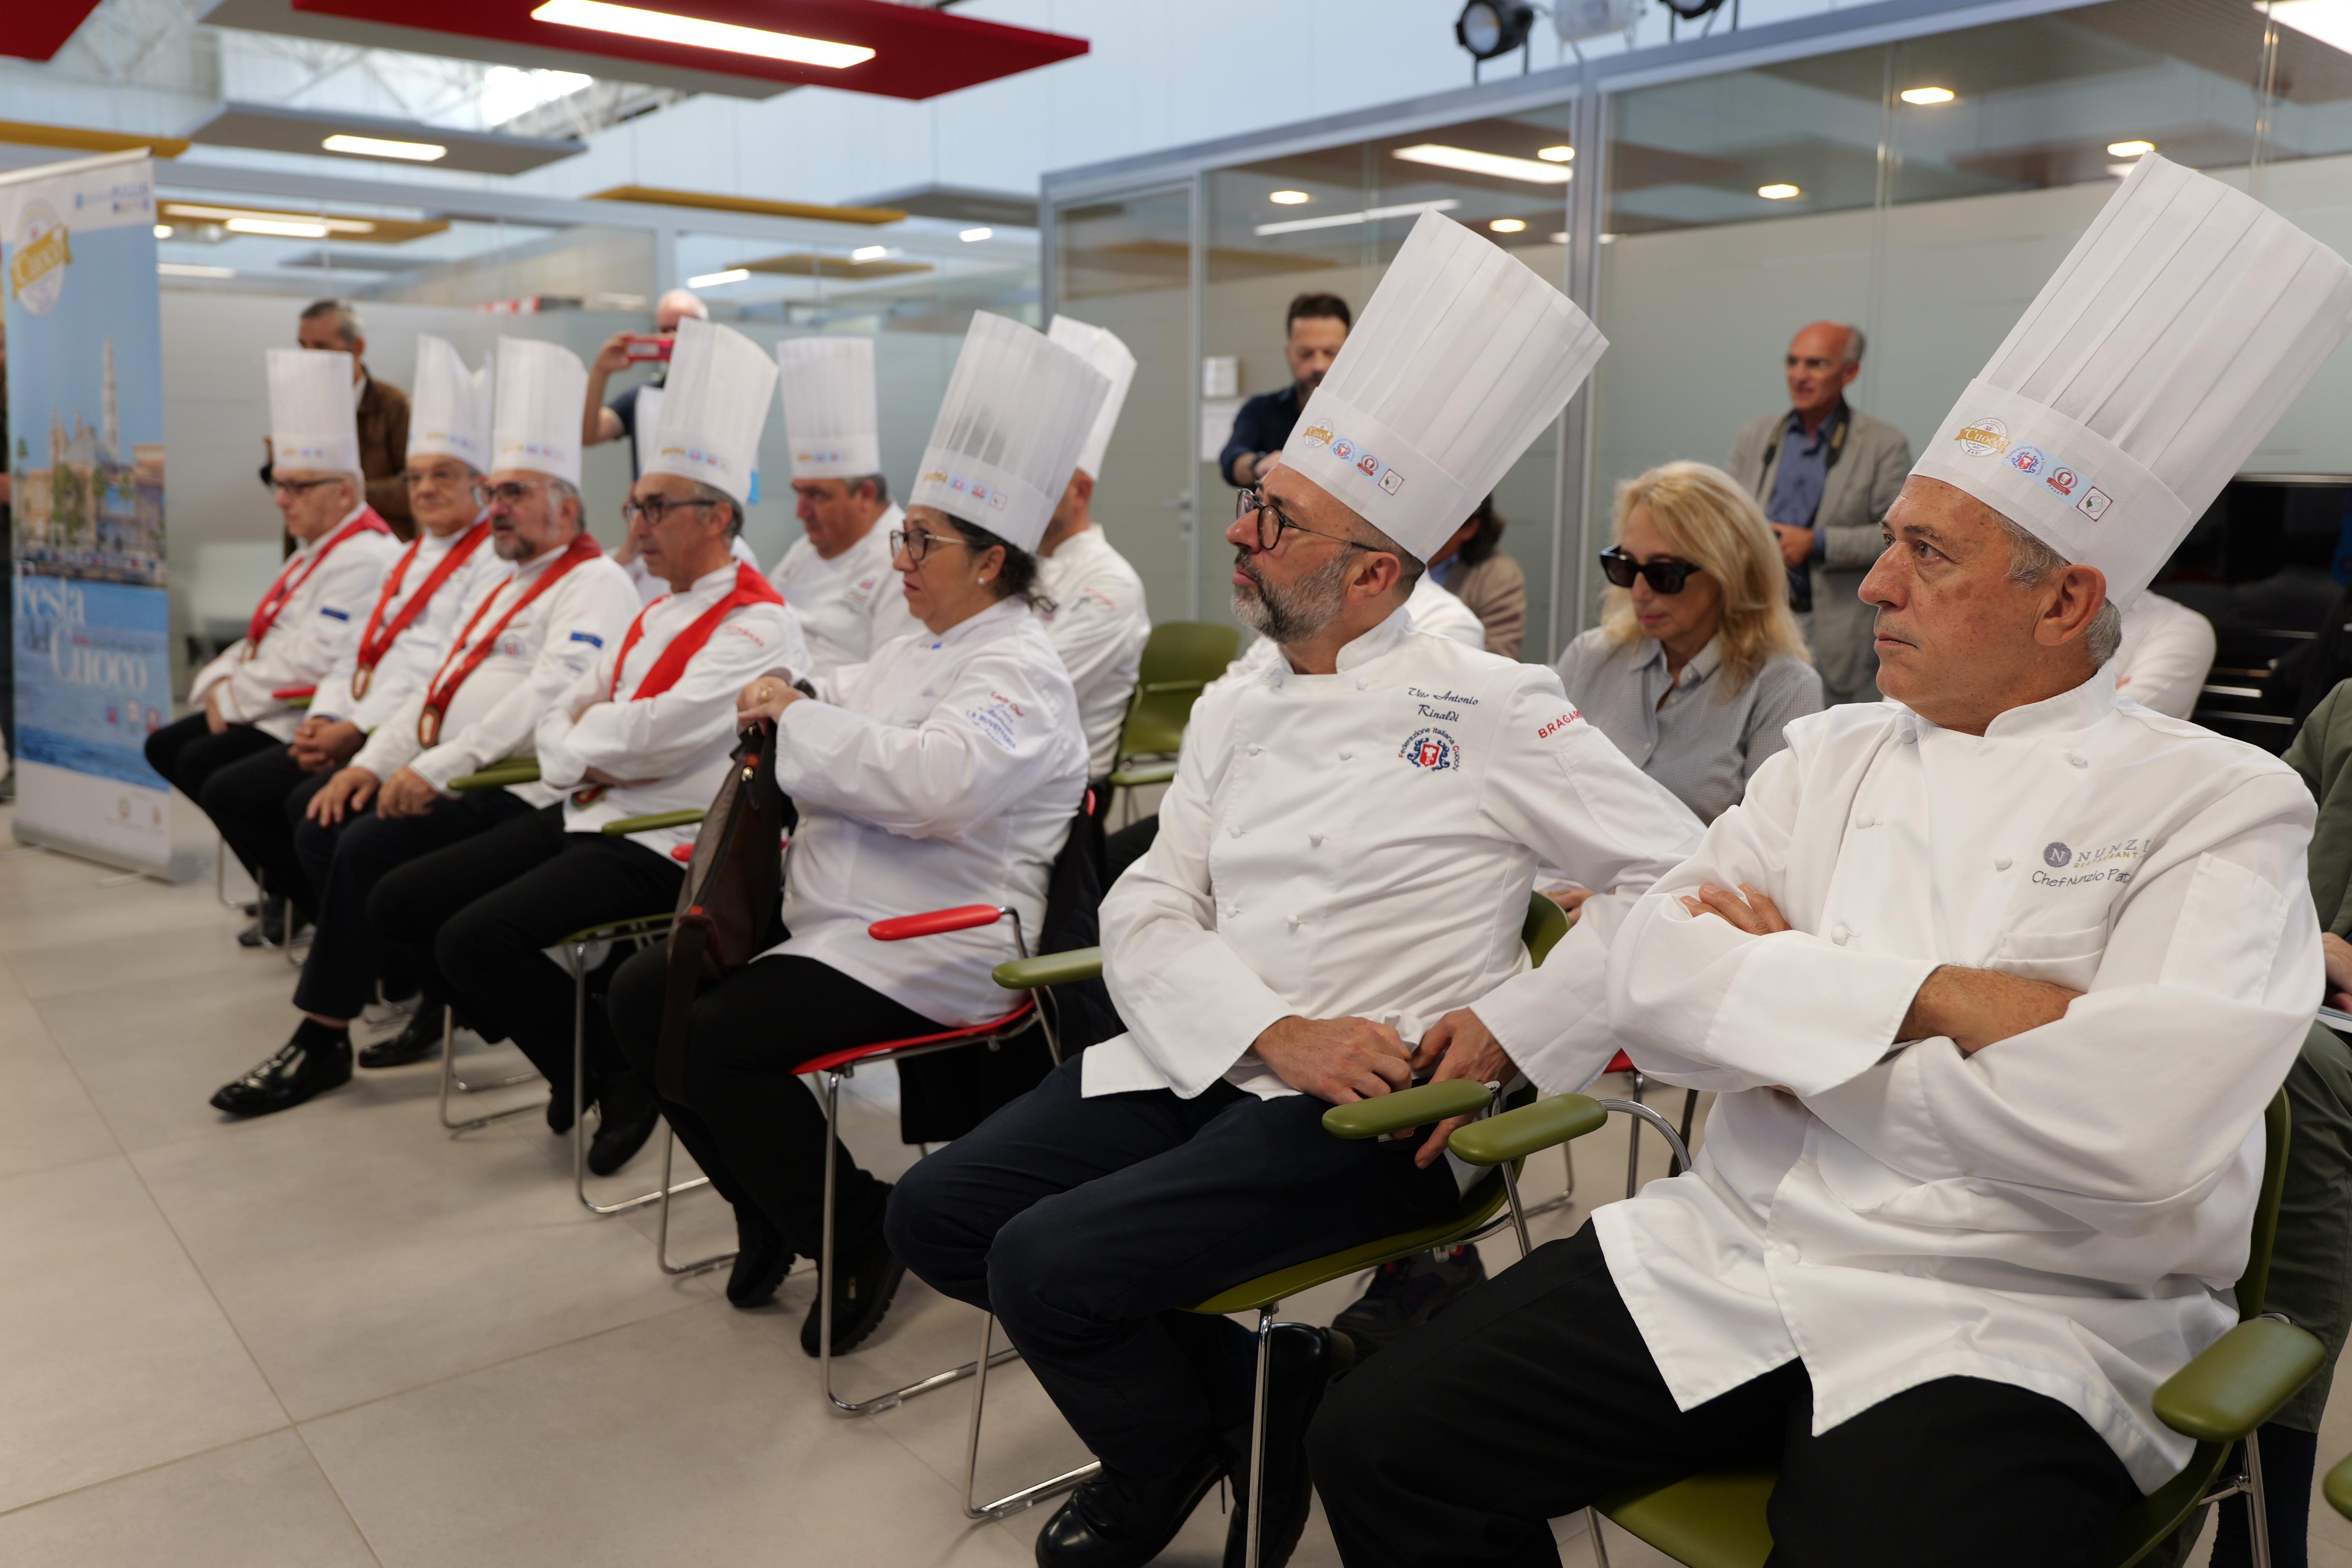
(471, 923)
(1534, 1393)
(1126, 846)
(1087, 1226)
(250, 801)
(345, 862)
(754, 1128)
(187, 753)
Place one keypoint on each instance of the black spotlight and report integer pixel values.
(1491, 27)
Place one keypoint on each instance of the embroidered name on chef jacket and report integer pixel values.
(2063, 865)
(996, 720)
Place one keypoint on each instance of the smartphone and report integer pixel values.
(648, 346)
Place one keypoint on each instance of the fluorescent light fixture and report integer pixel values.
(2129, 148)
(1471, 162)
(377, 147)
(190, 269)
(1777, 192)
(279, 228)
(162, 231)
(1508, 226)
(973, 236)
(1560, 238)
(230, 215)
(695, 33)
(713, 279)
(1369, 215)
(1287, 198)
(1557, 154)
(2329, 21)
(869, 253)
(1925, 96)
(1608, 239)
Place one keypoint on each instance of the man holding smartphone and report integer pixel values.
(600, 421)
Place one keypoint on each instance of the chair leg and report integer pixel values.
(1256, 1519)
(580, 1111)
(1012, 1502)
(1519, 1214)
(452, 1083)
(661, 1234)
(1633, 1140)
(1599, 1547)
(2257, 1517)
(1690, 1109)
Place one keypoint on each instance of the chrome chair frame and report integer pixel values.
(641, 930)
(451, 1083)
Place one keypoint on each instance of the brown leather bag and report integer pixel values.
(730, 907)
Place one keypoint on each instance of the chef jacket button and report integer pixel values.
(2078, 759)
(1839, 934)
(1235, 830)
(2001, 863)
(1294, 920)
(1866, 821)
(1344, 755)
(1315, 841)
(1255, 749)
(1361, 682)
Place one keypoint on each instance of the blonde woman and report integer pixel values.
(1697, 661)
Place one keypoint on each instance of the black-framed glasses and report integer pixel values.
(1662, 576)
(653, 509)
(509, 493)
(917, 542)
(300, 487)
(1271, 521)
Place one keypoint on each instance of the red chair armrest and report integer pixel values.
(935, 922)
(288, 693)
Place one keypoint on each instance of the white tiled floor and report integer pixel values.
(341, 1336)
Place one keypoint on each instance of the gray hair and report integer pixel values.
(718, 498)
(565, 490)
(1854, 342)
(2030, 561)
(881, 483)
(346, 314)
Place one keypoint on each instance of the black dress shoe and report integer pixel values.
(864, 1282)
(625, 1117)
(305, 1066)
(419, 1038)
(1301, 1363)
(268, 928)
(761, 1260)
(1111, 1521)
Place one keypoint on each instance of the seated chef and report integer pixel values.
(838, 579)
(1341, 872)
(945, 770)
(1992, 980)
(235, 755)
(532, 623)
(646, 726)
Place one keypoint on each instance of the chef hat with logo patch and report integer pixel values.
(830, 414)
(535, 409)
(312, 422)
(450, 413)
(1461, 360)
(714, 404)
(2150, 367)
(1103, 350)
(1018, 410)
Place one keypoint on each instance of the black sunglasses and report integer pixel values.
(1662, 576)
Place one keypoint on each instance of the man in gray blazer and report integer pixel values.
(1825, 475)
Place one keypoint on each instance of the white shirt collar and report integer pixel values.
(995, 615)
(2069, 713)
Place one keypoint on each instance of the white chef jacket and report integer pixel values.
(549, 644)
(945, 771)
(2166, 654)
(1361, 844)
(1098, 624)
(679, 740)
(417, 651)
(650, 588)
(850, 605)
(2066, 1211)
(1432, 609)
(315, 627)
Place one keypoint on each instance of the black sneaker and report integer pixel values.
(864, 1284)
(761, 1260)
(316, 1060)
(625, 1117)
(1407, 1293)
(273, 926)
(418, 1039)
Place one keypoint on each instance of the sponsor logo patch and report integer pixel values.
(2055, 855)
(1432, 749)
(2029, 459)
(1553, 727)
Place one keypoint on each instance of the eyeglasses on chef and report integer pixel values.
(917, 542)
(1271, 521)
(1662, 576)
(653, 509)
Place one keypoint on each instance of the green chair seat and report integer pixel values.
(1138, 778)
(498, 775)
(1482, 1204)
(653, 820)
(1706, 1522)
(2337, 1487)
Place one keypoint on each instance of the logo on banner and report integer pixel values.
(37, 275)
(1983, 438)
(2062, 480)
(2029, 460)
(2095, 503)
(1316, 435)
(1432, 749)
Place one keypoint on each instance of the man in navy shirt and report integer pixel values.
(1318, 325)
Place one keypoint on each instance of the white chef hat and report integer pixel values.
(2151, 364)
(449, 413)
(535, 423)
(829, 407)
(714, 404)
(312, 422)
(1017, 411)
(1461, 360)
(1103, 350)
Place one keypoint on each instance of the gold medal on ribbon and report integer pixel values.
(428, 726)
(360, 678)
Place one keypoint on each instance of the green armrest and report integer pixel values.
(1408, 1108)
(1049, 970)
(651, 820)
(2338, 1486)
(1516, 1135)
(2239, 1381)
(498, 775)
(1136, 778)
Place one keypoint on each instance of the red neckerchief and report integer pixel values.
(750, 588)
(442, 689)
(290, 579)
(377, 639)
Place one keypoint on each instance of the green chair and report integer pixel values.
(2337, 1487)
(1181, 657)
(497, 776)
(2220, 1398)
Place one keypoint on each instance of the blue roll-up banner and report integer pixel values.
(86, 462)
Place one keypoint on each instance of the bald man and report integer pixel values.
(600, 421)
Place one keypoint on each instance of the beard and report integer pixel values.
(1293, 614)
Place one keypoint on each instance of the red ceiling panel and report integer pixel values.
(37, 31)
(918, 52)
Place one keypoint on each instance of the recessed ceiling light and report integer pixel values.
(713, 279)
(377, 147)
(869, 253)
(279, 228)
(1287, 198)
(1557, 154)
(1924, 96)
(1608, 239)
(2129, 148)
(1777, 192)
(696, 32)
(2329, 21)
(1369, 215)
(228, 214)
(162, 231)
(1560, 238)
(973, 236)
(1471, 162)
(190, 269)
(1508, 226)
